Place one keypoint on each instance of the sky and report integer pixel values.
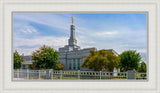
(118, 31)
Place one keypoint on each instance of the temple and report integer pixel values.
(71, 55)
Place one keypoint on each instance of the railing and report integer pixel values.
(29, 74)
(141, 76)
(88, 75)
(73, 75)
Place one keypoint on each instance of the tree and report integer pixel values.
(17, 60)
(142, 67)
(45, 58)
(113, 61)
(100, 60)
(129, 60)
(60, 67)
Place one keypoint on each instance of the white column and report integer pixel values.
(66, 64)
(72, 64)
(76, 64)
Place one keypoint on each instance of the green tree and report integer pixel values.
(100, 60)
(142, 67)
(60, 67)
(113, 61)
(17, 60)
(45, 58)
(129, 60)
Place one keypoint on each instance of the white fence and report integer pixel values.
(87, 75)
(29, 74)
(73, 75)
(141, 76)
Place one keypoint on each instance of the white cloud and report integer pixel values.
(105, 33)
(27, 45)
(142, 50)
(54, 21)
(28, 29)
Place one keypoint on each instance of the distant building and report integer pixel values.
(71, 55)
(27, 62)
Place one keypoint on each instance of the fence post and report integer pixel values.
(27, 74)
(131, 74)
(100, 74)
(39, 74)
(52, 75)
(61, 74)
(18, 73)
(78, 74)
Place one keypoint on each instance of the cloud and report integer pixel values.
(105, 33)
(122, 39)
(84, 42)
(28, 30)
(30, 44)
(142, 50)
(27, 37)
(54, 21)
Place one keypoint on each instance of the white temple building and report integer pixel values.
(71, 55)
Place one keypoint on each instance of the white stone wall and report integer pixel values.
(78, 54)
(71, 55)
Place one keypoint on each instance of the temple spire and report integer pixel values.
(72, 40)
(72, 20)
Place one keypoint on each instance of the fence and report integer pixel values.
(29, 74)
(141, 76)
(73, 75)
(87, 75)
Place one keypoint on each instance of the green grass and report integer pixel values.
(58, 77)
(75, 77)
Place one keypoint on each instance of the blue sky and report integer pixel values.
(118, 31)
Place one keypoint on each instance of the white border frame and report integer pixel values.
(150, 6)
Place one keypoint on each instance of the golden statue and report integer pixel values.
(72, 19)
